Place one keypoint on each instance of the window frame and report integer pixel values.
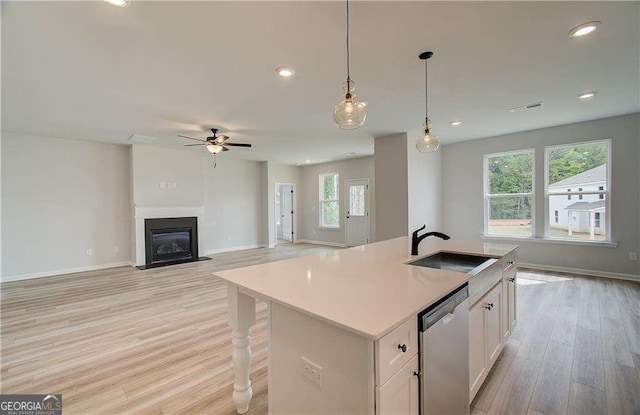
(322, 201)
(487, 197)
(606, 192)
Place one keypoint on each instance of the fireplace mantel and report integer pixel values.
(142, 212)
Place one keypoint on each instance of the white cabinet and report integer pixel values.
(508, 296)
(477, 350)
(485, 337)
(400, 395)
(395, 349)
(396, 366)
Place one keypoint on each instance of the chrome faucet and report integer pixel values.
(415, 239)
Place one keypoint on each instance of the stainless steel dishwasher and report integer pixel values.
(444, 355)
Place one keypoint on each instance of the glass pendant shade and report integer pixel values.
(350, 113)
(428, 142)
(215, 149)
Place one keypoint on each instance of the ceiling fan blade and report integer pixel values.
(237, 144)
(191, 138)
(224, 148)
(191, 145)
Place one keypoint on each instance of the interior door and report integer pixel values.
(286, 211)
(357, 212)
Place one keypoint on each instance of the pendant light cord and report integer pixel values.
(426, 89)
(348, 73)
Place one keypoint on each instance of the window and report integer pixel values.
(329, 201)
(509, 199)
(584, 166)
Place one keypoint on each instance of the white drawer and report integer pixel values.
(390, 356)
(509, 261)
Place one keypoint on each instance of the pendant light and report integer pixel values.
(428, 142)
(350, 113)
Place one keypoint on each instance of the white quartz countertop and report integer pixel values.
(368, 290)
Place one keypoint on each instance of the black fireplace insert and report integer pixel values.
(170, 241)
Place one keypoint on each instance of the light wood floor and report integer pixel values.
(124, 341)
(576, 349)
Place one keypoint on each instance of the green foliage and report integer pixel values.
(512, 173)
(565, 162)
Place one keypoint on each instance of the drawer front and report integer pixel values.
(395, 349)
(509, 261)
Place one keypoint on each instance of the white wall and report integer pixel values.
(231, 192)
(156, 170)
(391, 176)
(424, 189)
(233, 205)
(359, 168)
(59, 198)
(463, 192)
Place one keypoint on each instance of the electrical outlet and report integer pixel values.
(89, 252)
(312, 371)
(633, 256)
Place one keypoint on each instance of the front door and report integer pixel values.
(357, 212)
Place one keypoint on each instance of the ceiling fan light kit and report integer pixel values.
(216, 143)
(428, 142)
(350, 113)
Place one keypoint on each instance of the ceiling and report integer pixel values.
(91, 71)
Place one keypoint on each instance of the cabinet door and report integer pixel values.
(400, 394)
(511, 284)
(504, 315)
(477, 348)
(494, 333)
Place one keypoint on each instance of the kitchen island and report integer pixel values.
(337, 321)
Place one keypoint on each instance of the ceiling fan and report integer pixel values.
(216, 143)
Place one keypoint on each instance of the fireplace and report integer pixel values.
(170, 241)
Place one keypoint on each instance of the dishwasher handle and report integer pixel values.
(443, 308)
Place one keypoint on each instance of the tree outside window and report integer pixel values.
(509, 193)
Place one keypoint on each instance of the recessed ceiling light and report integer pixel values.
(118, 3)
(285, 72)
(584, 29)
(307, 161)
(587, 95)
(455, 123)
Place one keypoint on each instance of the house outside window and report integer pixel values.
(509, 194)
(329, 200)
(585, 166)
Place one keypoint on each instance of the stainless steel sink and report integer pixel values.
(470, 264)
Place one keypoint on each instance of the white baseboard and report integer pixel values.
(235, 248)
(65, 271)
(309, 241)
(593, 273)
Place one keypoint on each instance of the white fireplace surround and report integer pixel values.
(142, 212)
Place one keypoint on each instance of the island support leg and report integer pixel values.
(241, 316)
